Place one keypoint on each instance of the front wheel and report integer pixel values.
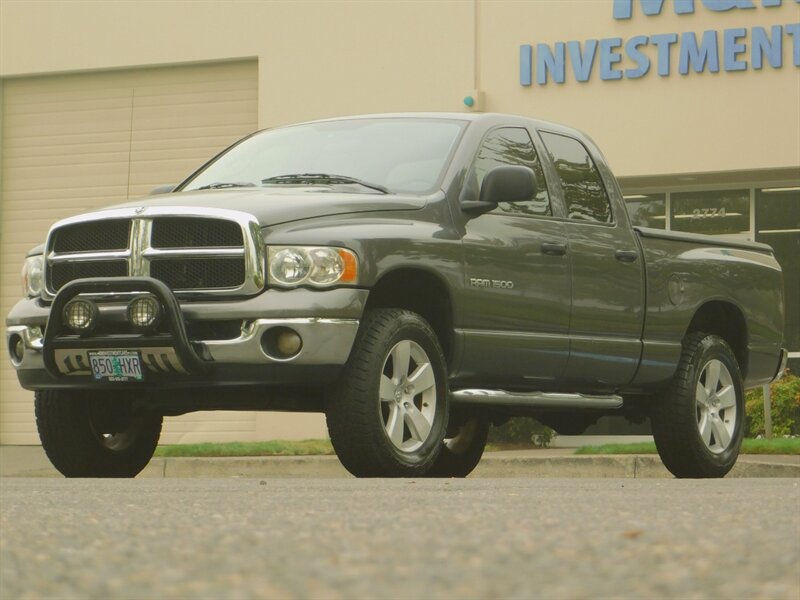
(85, 435)
(698, 423)
(387, 415)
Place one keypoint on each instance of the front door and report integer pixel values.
(516, 308)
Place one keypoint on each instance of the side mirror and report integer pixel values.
(508, 184)
(163, 189)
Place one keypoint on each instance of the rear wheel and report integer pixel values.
(85, 435)
(462, 452)
(387, 416)
(698, 424)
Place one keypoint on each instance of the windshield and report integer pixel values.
(360, 155)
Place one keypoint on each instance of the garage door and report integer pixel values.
(71, 143)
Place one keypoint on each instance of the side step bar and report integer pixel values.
(535, 399)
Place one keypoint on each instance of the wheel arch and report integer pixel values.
(422, 292)
(726, 320)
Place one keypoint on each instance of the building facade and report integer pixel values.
(696, 104)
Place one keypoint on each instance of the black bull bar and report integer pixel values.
(175, 336)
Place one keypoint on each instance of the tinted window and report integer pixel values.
(714, 212)
(584, 192)
(778, 224)
(647, 210)
(778, 209)
(512, 146)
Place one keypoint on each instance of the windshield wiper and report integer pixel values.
(226, 184)
(313, 178)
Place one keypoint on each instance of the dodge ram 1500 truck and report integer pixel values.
(416, 277)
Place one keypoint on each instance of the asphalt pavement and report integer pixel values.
(394, 539)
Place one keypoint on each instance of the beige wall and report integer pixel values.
(330, 58)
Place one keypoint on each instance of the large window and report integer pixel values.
(647, 210)
(778, 224)
(711, 212)
(512, 146)
(584, 192)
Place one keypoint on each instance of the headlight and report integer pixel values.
(311, 265)
(33, 276)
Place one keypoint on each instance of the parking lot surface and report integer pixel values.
(346, 538)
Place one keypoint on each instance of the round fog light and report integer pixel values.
(281, 343)
(144, 312)
(80, 315)
(289, 342)
(16, 348)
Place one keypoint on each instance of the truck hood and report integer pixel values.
(273, 206)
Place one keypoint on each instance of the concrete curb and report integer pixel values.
(596, 466)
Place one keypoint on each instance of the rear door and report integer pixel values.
(517, 290)
(607, 270)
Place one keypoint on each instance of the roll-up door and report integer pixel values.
(72, 143)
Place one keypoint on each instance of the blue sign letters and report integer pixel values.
(734, 49)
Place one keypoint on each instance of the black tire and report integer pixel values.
(84, 435)
(358, 420)
(683, 412)
(461, 453)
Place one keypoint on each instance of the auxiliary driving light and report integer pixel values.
(289, 343)
(144, 312)
(281, 343)
(16, 348)
(80, 315)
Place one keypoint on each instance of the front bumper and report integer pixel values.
(174, 361)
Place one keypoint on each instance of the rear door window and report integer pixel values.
(584, 193)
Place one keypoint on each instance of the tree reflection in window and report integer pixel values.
(584, 192)
(512, 146)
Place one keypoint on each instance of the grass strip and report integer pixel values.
(270, 448)
(749, 446)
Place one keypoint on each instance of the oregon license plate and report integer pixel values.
(116, 365)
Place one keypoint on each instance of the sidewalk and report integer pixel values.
(30, 461)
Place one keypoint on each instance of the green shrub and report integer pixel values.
(522, 430)
(785, 395)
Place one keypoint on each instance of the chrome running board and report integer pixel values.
(535, 399)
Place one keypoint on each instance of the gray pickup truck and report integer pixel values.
(416, 277)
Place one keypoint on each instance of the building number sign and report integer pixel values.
(708, 213)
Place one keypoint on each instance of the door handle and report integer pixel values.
(554, 249)
(626, 256)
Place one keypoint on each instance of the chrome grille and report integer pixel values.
(63, 273)
(113, 234)
(215, 251)
(185, 232)
(202, 273)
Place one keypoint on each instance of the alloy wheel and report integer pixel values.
(408, 396)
